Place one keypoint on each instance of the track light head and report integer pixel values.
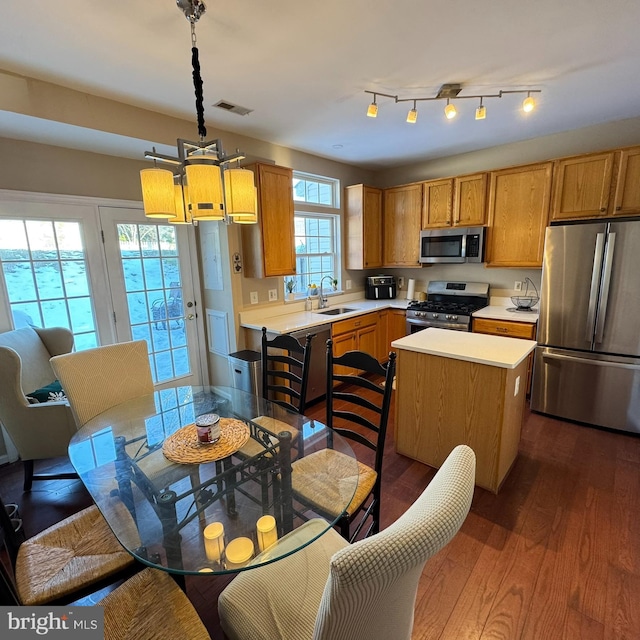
(412, 116)
(372, 111)
(481, 111)
(450, 111)
(528, 104)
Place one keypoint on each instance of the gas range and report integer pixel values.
(449, 305)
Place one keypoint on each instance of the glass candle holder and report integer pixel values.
(267, 532)
(238, 553)
(214, 541)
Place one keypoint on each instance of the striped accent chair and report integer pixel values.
(333, 590)
(97, 379)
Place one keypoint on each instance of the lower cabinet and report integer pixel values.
(359, 333)
(509, 329)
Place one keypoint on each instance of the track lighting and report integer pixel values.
(450, 92)
(412, 116)
(372, 111)
(528, 104)
(450, 111)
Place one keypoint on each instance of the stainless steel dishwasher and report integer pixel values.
(317, 385)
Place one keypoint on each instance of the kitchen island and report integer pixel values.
(455, 387)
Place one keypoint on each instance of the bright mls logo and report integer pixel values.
(86, 623)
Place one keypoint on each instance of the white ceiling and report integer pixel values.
(302, 67)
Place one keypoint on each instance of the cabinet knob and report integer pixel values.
(602, 209)
(618, 208)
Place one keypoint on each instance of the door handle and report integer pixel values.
(595, 282)
(190, 316)
(606, 285)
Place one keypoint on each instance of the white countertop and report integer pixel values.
(496, 351)
(288, 321)
(498, 310)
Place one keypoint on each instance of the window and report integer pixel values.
(315, 190)
(317, 232)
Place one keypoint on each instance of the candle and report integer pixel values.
(267, 533)
(239, 551)
(214, 541)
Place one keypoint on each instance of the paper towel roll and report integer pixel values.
(411, 288)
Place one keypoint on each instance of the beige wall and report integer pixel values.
(612, 135)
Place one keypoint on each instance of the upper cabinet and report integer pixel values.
(455, 202)
(363, 211)
(581, 186)
(437, 205)
(518, 213)
(402, 215)
(268, 246)
(626, 200)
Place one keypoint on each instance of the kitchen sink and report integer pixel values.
(335, 311)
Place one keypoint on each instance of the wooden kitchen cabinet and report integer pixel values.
(402, 216)
(359, 333)
(626, 201)
(581, 186)
(455, 202)
(363, 218)
(269, 247)
(518, 213)
(510, 329)
(392, 325)
(437, 203)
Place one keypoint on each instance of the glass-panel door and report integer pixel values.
(152, 291)
(53, 270)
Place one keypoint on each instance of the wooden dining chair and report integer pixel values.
(151, 606)
(333, 590)
(359, 392)
(285, 370)
(74, 557)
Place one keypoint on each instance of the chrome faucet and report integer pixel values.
(323, 303)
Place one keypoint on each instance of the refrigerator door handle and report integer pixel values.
(595, 363)
(606, 285)
(595, 282)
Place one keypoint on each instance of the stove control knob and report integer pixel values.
(454, 318)
(435, 315)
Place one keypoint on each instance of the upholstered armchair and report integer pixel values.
(38, 431)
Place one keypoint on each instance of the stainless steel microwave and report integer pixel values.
(458, 244)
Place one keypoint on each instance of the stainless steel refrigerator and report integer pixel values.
(587, 362)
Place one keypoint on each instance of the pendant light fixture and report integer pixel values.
(450, 92)
(200, 186)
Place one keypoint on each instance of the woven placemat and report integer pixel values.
(183, 446)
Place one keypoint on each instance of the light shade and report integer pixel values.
(372, 111)
(158, 195)
(182, 212)
(450, 111)
(481, 112)
(528, 104)
(204, 181)
(412, 116)
(239, 192)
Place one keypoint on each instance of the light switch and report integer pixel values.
(254, 297)
(273, 295)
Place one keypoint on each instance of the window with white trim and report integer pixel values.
(317, 234)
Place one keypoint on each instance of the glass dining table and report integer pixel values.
(188, 507)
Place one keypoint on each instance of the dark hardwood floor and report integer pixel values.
(555, 555)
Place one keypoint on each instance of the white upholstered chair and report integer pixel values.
(332, 590)
(95, 380)
(38, 431)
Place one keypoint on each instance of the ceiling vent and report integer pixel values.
(233, 108)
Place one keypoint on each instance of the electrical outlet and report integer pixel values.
(516, 390)
(347, 284)
(273, 295)
(400, 282)
(254, 297)
(517, 285)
